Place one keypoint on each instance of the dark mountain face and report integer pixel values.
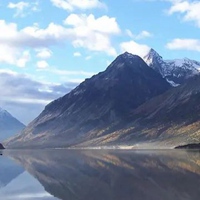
(176, 71)
(174, 116)
(9, 126)
(178, 104)
(97, 102)
(166, 121)
(126, 83)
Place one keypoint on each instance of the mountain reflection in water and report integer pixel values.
(114, 175)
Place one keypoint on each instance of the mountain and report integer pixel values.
(9, 125)
(85, 112)
(166, 121)
(174, 71)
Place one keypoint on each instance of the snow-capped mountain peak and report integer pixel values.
(153, 53)
(185, 63)
(151, 56)
(174, 71)
(183, 68)
(154, 60)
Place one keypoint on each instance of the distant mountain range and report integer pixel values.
(131, 104)
(9, 126)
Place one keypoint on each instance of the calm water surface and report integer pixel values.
(99, 175)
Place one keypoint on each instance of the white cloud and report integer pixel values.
(71, 5)
(9, 30)
(23, 8)
(129, 33)
(144, 34)
(102, 24)
(82, 31)
(141, 35)
(8, 71)
(24, 59)
(77, 54)
(13, 56)
(135, 48)
(67, 72)
(42, 64)
(26, 97)
(31, 36)
(37, 37)
(179, 6)
(88, 57)
(10, 57)
(189, 10)
(44, 53)
(93, 33)
(26, 100)
(184, 44)
(20, 7)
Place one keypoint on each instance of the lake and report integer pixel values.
(99, 175)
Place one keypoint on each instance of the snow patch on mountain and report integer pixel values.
(185, 63)
(172, 83)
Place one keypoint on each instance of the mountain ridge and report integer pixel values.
(175, 71)
(129, 104)
(9, 125)
(103, 99)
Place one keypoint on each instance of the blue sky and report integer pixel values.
(47, 47)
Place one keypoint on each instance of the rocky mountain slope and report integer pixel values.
(9, 126)
(166, 121)
(86, 111)
(128, 105)
(176, 71)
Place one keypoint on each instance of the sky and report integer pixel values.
(47, 47)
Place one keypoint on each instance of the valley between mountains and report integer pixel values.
(135, 103)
